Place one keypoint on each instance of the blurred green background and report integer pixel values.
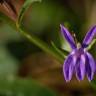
(25, 70)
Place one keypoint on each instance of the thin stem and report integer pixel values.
(41, 44)
(63, 53)
(38, 42)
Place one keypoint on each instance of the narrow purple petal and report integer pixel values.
(68, 67)
(80, 67)
(90, 66)
(89, 36)
(68, 37)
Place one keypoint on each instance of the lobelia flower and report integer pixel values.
(79, 61)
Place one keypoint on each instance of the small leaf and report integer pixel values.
(24, 8)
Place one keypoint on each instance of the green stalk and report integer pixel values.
(38, 42)
(42, 45)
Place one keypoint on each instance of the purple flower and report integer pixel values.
(79, 61)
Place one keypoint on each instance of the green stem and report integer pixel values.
(64, 53)
(41, 44)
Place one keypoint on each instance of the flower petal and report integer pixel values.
(80, 67)
(90, 66)
(68, 67)
(68, 36)
(89, 36)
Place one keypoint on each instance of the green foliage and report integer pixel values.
(44, 46)
(21, 87)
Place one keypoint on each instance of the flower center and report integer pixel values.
(79, 51)
(78, 45)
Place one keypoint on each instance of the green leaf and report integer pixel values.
(23, 87)
(26, 5)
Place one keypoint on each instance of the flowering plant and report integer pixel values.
(79, 60)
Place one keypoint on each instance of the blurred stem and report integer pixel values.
(38, 42)
(42, 45)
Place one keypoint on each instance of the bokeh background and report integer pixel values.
(25, 70)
